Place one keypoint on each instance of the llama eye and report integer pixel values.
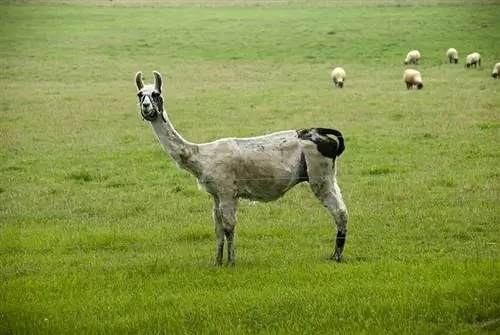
(155, 94)
(139, 95)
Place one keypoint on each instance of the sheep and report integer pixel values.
(338, 77)
(452, 55)
(261, 168)
(473, 59)
(496, 71)
(413, 77)
(412, 57)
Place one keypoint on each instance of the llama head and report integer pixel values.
(150, 97)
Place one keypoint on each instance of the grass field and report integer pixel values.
(101, 233)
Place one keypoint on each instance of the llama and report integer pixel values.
(261, 168)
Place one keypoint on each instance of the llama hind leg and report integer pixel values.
(339, 211)
(329, 194)
(227, 210)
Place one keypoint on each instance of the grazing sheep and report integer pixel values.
(473, 59)
(261, 168)
(496, 71)
(338, 77)
(412, 57)
(413, 77)
(452, 55)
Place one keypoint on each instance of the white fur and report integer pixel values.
(412, 78)
(338, 76)
(473, 59)
(412, 57)
(452, 55)
(495, 73)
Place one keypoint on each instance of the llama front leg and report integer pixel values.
(329, 194)
(227, 210)
(219, 232)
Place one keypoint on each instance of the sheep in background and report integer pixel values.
(452, 55)
(412, 57)
(338, 77)
(261, 168)
(473, 59)
(413, 78)
(496, 71)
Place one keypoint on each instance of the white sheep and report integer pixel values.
(496, 71)
(261, 168)
(452, 55)
(413, 77)
(412, 57)
(473, 59)
(338, 77)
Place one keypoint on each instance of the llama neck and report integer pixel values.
(181, 151)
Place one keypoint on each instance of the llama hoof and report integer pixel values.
(335, 258)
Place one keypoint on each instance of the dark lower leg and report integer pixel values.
(230, 246)
(339, 245)
(220, 246)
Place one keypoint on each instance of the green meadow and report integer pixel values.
(101, 233)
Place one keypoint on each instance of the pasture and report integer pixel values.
(101, 233)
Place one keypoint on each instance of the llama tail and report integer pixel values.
(337, 134)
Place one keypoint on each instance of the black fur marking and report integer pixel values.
(420, 86)
(303, 176)
(341, 237)
(329, 131)
(327, 146)
(304, 134)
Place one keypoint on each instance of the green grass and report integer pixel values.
(101, 233)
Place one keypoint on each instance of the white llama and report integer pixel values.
(261, 168)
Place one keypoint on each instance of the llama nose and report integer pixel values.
(146, 104)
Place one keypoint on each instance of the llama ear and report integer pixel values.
(138, 80)
(158, 81)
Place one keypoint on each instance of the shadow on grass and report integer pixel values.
(358, 259)
(85, 176)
